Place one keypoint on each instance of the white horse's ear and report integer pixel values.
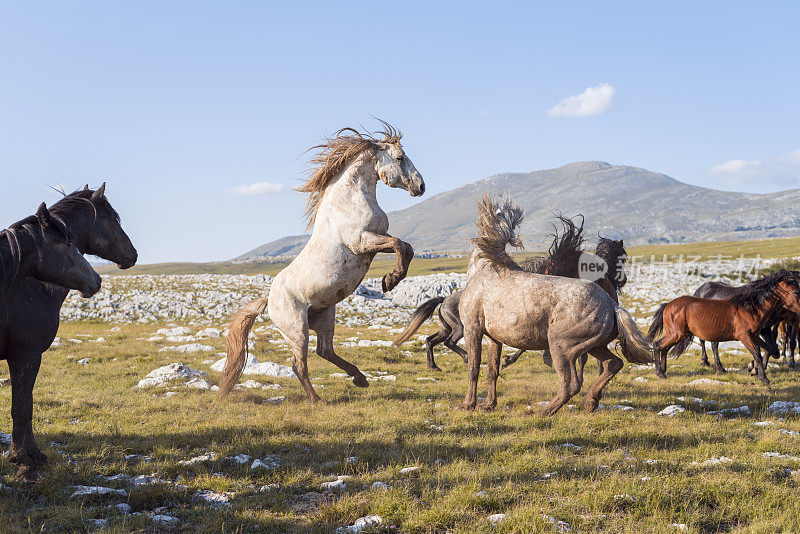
(97, 195)
(86, 187)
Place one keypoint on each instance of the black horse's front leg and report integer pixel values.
(23, 451)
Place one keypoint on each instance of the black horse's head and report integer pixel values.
(58, 261)
(97, 227)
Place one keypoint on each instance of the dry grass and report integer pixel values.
(94, 418)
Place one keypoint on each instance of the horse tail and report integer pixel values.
(634, 345)
(680, 347)
(241, 324)
(420, 315)
(497, 224)
(657, 326)
(564, 252)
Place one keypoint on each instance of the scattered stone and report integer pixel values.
(558, 526)
(496, 519)
(361, 524)
(409, 470)
(123, 508)
(5, 439)
(275, 400)
(240, 459)
(788, 432)
(784, 407)
(207, 457)
(168, 373)
(706, 382)
(426, 379)
(217, 500)
(764, 423)
(199, 383)
(741, 411)
(338, 484)
(570, 447)
(269, 462)
(672, 410)
(253, 367)
(97, 523)
(640, 379)
(714, 461)
(780, 456)
(87, 491)
(253, 384)
(83, 361)
(189, 347)
(378, 486)
(165, 520)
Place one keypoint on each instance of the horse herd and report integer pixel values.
(540, 304)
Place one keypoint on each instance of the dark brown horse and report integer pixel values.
(30, 313)
(741, 317)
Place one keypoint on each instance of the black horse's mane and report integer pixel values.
(11, 249)
(78, 199)
(611, 251)
(564, 252)
(761, 292)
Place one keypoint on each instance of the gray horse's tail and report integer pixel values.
(497, 224)
(241, 324)
(634, 345)
(420, 315)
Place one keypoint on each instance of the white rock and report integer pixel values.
(198, 383)
(218, 500)
(410, 469)
(640, 379)
(207, 457)
(163, 519)
(570, 447)
(672, 410)
(190, 347)
(84, 491)
(239, 458)
(83, 361)
(784, 407)
(496, 519)
(764, 423)
(706, 382)
(377, 486)
(253, 367)
(123, 508)
(270, 462)
(338, 484)
(168, 373)
(361, 524)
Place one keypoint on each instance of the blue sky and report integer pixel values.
(178, 104)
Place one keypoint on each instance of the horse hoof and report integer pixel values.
(38, 457)
(487, 407)
(721, 370)
(360, 381)
(389, 282)
(705, 364)
(28, 472)
(465, 406)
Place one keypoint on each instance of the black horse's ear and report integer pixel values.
(97, 195)
(620, 242)
(43, 215)
(86, 187)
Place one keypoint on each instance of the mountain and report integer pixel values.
(285, 246)
(631, 203)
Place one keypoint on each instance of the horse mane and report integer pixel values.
(611, 251)
(497, 223)
(11, 251)
(760, 292)
(564, 252)
(334, 155)
(76, 200)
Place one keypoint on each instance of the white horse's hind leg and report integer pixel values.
(291, 318)
(323, 323)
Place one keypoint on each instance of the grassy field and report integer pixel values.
(767, 248)
(635, 470)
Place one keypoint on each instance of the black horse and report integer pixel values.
(722, 291)
(30, 315)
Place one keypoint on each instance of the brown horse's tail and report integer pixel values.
(635, 347)
(657, 326)
(420, 315)
(237, 344)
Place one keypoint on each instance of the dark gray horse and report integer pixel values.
(30, 313)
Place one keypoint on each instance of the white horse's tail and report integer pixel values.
(497, 224)
(239, 331)
(634, 345)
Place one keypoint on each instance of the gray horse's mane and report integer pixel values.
(497, 223)
(335, 155)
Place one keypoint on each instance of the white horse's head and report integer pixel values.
(395, 169)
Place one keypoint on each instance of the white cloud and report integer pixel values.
(258, 188)
(783, 171)
(593, 101)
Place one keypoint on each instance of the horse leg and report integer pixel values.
(24, 451)
(703, 355)
(291, 318)
(492, 372)
(717, 363)
(430, 342)
(323, 323)
(371, 243)
(547, 358)
(580, 364)
(754, 344)
(569, 386)
(510, 360)
(611, 365)
(792, 345)
(473, 338)
(457, 331)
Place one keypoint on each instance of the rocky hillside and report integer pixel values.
(640, 206)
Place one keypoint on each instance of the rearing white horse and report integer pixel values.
(349, 229)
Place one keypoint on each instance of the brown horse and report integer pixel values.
(741, 317)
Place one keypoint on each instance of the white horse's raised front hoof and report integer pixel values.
(360, 381)
(390, 281)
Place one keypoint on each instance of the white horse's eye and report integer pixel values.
(399, 158)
